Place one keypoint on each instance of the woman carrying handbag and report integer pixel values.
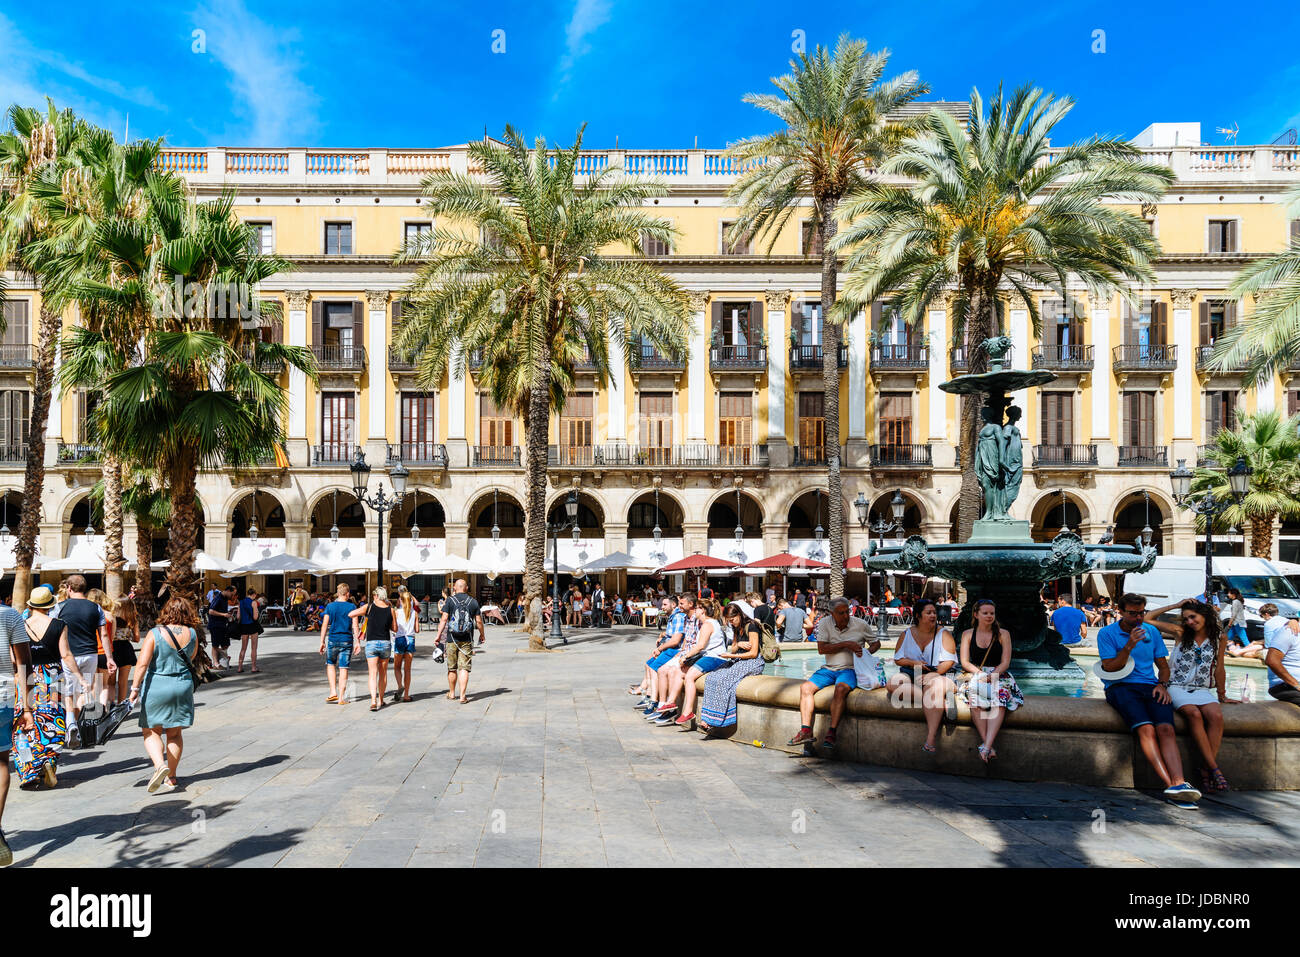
(168, 680)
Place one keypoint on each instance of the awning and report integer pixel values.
(245, 551)
(347, 556)
(725, 548)
(279, 564)
(417, 558)
(646, 558)
(505, 557)
(82, 556)
(203, 562)
(608, 563)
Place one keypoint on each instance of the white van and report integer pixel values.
(1291, 571)
(1174, 577)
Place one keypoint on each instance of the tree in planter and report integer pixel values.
(1270, 444)
(989, 205)
(534, 271)
(35, 148)
(836, 109)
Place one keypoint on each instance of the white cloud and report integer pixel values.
(588, 17)
(264, 69)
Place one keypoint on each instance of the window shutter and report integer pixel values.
(397, 316)
(1233, 227)
(317, 322)
(1216, 236)
(358, 324)
(1075, 324)
(875, 316)
(1229, 314)
(1160, 323)
(1207, 333)
(1295, 230)
(715, 327)
(1130, 325)
(757, 324)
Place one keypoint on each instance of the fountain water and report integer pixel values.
(1001, 560)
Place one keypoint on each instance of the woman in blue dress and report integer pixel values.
(167, 700)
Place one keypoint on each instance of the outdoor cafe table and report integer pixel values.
(649, 612)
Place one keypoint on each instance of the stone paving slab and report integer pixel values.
(548, 765)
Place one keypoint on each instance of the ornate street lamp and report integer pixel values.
(252, 522)
(334, 529)
(415, 519)
(496, 529)
(658, 532)
(4, 518)
(380, 500)
(818, 532)
(897, 506)
(570, 520)
(1209, 506)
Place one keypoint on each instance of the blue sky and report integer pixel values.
(318, 72)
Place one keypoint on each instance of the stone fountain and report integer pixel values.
(1001, 560)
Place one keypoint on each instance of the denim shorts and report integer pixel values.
(1137, 706)
(404, 645)
(379, 649)
(824, 677)
(661, 659)
(6, 729)
(339, 654)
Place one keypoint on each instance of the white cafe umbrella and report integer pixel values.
(275, 564)
(613, 562)
(203, 562)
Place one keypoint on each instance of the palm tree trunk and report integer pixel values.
(831, 336)
(114, 560)
(1261, 536)
(145, 608)
(181, 542)
(34, 479)
(978, 327)
(539, 409)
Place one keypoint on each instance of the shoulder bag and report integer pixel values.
(194, 675)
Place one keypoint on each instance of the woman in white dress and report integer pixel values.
(925, 656)
(407, 615)
(1197, 681)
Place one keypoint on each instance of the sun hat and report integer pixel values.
(42, 597)
(1124, 671)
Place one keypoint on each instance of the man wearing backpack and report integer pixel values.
(460, 616)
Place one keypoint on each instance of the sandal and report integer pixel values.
(331, 699)
(1220, 782)
(929, 748)
(1207, 780)
(984, 753)
(373, 706)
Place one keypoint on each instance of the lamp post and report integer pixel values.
(380, 500)
(4, 519)
(1209, 506)
(897, 506)
(570, 521)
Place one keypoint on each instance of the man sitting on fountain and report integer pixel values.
(1135, 652)
(840, 637)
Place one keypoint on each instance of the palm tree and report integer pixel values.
(836, 112)
(192, 391)
(35, 148)
(144, 499)
(1271, 339)
(1270, 444)
(537, 273)
(990, 205)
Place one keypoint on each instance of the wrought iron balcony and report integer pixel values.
(901, 456)
(17, 356)
(1145, 358)
(581, 456)
(422, 454)
(738, 358)
(401, 361)
(959, 359)
(13, 454)
(648, 456)
(332, 358)
(497, 456)
(804, 357)
(904, 358)
(1144, 456)
(1065, 456)
(78, 453)
(333, 453)
(1062, 358)
(1205, 356)
(649, 359)
(263, 364)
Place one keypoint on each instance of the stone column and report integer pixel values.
(941, 441)
(777, 360)
(856, 451)
(54, 424)
(936, 533)
(296, 335)
(616, 424)
(1179, 537)
(1265, 392)
(615, 537)
(457, 538)
(51, 544)
(697, 369)
(216, 538)
(695, 538)
(1018, 318)
(776, 537)
(1184, 444)
(457, 444)
(297, 538)
(377, 378)
(1102, 383)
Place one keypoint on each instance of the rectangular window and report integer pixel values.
(15, 420)
(655, 247)
(810, 240)
(496, 428)
(1058, 419)
(16, 342)
(576, 427)
(1220, 413)
(1148, 325)
(736, 326)
(338, 239)
(1292, 401)
(809, 317)
(1140, 419)
(87, 403)
(1217, 316)
(812, 426)
(338, 328)
(890, 330)
(337, 429)
(419, 431)
(656, 426)
(1223, 235)
(263, 239)
(896, 418)
(740, 247)
(1062, 323)
(736, 426)
(415, 233)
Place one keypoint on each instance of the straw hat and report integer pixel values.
(42, 597)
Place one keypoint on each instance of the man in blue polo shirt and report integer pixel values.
(1135, 652)
(1070, 623)
(336, 630)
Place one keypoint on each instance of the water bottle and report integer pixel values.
(22, 749)
(1246, 690)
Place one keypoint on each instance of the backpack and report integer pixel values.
(459, 621)
(768, 647)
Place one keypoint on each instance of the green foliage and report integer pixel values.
(1270, 444)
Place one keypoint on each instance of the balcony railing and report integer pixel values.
(401, 361)
(332, 358)
(903, 358)
(17, 356)
(498, 456)
(265, 365)
(582, 456)
(70, 453)
(1063, 358)
(1205, 355)
(650, 360)
(649, 456)
(1145, 358)
(1065, 456)
(900, 456)
(743, 358)
(959, 359)
(10, 454)
(426, 454)
(1203, 455)
(1144, 456)
(810, 357)
(333, 453)
(805, 456)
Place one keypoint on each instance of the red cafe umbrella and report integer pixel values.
(700, 565)
(784, 563)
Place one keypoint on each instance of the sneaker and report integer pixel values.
(74, 736)
(664, 720)
(805, 736)
(1182, 792)
(828, 742)
(666, 707)
(1183, 805)
(6, 855)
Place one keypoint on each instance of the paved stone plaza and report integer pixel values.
(549, 765)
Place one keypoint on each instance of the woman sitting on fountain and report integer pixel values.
(1197, 681)
(990, 690)
(925, 656)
